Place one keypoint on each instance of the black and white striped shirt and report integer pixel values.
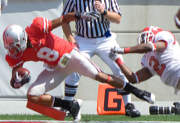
(95, 28)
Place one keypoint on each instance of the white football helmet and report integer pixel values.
(148, 34)
(15, 40)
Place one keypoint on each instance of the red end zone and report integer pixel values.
(22, 122)
(48, 111)
(53, 121)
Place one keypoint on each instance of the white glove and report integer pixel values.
(117, 50)
(88, 16)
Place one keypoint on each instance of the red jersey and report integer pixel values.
(46, 46)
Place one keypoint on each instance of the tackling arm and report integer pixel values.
(141, 48)
(139, 76)
(67, 31)
(63, 20)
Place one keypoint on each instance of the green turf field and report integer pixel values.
(97, 118)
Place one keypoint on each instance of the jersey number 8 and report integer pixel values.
(48, 54)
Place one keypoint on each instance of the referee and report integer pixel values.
(94, 37)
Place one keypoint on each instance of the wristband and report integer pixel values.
(105, 12)
(119, 61)
(127, 50)
(108, 79)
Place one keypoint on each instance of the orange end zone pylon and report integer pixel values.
(48, 111)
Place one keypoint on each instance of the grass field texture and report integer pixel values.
(96, 117)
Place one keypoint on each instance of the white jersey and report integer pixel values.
(166, 64)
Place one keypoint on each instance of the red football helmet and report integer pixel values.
(148, 34)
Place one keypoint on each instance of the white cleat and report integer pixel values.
(149, 97)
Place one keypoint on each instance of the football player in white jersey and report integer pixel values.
(177, 19)
(161, 57)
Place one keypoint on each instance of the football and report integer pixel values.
(22, 72)
(20, 77)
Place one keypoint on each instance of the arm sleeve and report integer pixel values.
(41, 25)
(69, 7)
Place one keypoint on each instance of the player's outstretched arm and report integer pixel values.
(63, 20)
(141, 48)
(68, 33)
(137, 77)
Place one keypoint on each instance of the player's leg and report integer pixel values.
(83, 66)
(103, 53)
(71, 86)
(72, 81)
(46, 81)
(129, 106)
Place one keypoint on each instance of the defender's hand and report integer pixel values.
(117, 50)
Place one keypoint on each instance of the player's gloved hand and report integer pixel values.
(117, 50)
(20, 77)
(114, 51)
(88, 16)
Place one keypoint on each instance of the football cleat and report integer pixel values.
(131, 111)
(146, 96)
(75, 109)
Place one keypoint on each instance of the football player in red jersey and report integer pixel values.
(61, 58)
(161, 57)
